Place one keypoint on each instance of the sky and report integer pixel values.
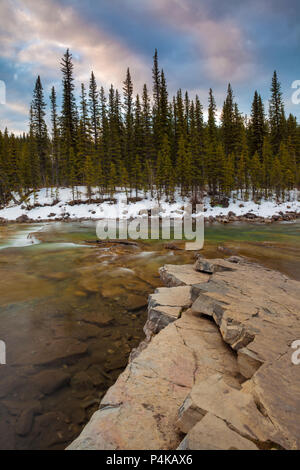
(201, 44)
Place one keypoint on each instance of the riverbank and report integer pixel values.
(49, 206)
(215, 370)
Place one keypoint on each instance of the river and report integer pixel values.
(71, 312)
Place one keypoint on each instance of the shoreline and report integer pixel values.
(209, 374)
(288, 216)
(45, 208)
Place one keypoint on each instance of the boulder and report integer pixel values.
(140, 410)
(49, 381)
(235, 407)
(221, 373)
(171, 297)
(23, 219)
(212, 433)
(173, 275)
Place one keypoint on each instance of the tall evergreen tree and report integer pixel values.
(39, 127)
(94, 110)
(276, 114)
(68, 114)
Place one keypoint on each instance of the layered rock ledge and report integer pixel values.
(219, 374)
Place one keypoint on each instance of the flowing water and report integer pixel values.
(71, 312)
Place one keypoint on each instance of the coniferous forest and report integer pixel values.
(153, 143)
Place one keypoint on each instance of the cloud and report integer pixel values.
(220, 45)
(36, 33)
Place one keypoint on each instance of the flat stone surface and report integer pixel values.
(173, 275)
(258, 316)
(140, 410)
(222, 372)
(171, 297)
(212, 433)
(236, 407)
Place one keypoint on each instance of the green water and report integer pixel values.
(70, 313)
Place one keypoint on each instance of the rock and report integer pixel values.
(212, 433)
(236, 259)
(133, 302)
(250, 215)
(23, 219)
(51, 353)
(97, 319)
(205, 305)
(172, 246)
(50, 429)
(173, 275)
(235, 407)
(81, 382)
(226, 250)
(49, 381)
(159, 317)
(260, 320)
(164, 307)
(248, 362)
(188, 377)
(10, 385)
(115, 363)
(172, 297)
(25, 422)
(140, 410)
(15, 408)
(204, 266)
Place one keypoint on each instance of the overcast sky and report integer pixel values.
(201, 44)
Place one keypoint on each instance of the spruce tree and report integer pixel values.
(55, 138)
(276, 114)
(68, 114)
(94, 110)
(39, 127)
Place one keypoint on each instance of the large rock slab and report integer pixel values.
(235, 407)
(173, 275)
(140, 410)
(257, 311)
(212, 433)
(220, 371)
(171, 297)
(164, 307)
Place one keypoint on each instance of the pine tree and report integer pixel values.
(94, 110)
(68, 114)
(257, 126)
(55, 138)
(128, 132)
(227, 119)
(39, 127)
(148, 150)
(276, 114)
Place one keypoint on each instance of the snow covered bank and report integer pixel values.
(44, 207)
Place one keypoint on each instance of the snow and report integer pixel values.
(109, 210)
